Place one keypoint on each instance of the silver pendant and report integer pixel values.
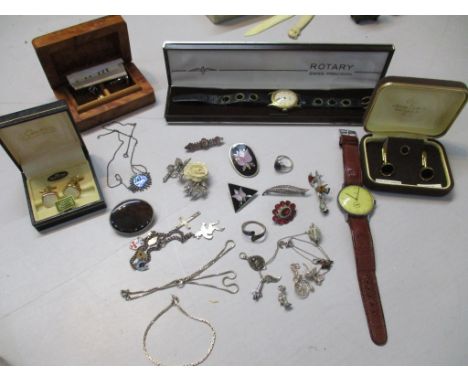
(140, 182)
(283, 299)
(267, 279)
(175, 170)
(207, 230)
(314, 234)
(257, 263)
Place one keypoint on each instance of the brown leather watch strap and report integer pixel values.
(351, 161)
(365, 266)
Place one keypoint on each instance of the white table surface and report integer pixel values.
(60, 298)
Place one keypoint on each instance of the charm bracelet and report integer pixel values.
(155, 241)
(175, 303)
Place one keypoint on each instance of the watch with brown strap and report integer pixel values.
(357, 202)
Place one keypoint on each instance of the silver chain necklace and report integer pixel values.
(141, 178)
(195, 278)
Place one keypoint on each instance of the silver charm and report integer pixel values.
(301, 286)
(283, 299)
(175, 170)
(314, 234)
(257, 263)
(313, 275)
(285, 190)
(155, 241)
(184, 222)
(267, 279)
(207, 230)
(321, 189)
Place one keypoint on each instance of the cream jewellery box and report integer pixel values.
(405, 116)
(58, 176)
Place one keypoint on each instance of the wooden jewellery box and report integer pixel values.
(58, 177)
(90, 66)
(272, 82)
(405, 116)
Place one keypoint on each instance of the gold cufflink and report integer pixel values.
(49, 197)
(426, 173)
(73, 187)
(386, 169)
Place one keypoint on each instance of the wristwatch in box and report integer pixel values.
(358, 203)
(283, 99)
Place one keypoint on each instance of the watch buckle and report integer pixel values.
(347, 132)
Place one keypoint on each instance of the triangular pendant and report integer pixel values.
(241, 196)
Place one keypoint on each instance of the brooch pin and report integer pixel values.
(193, 174)
(241, 196)
(244, 160)
(284, 212)
(286, 190)
(321, 189)
(204, 144)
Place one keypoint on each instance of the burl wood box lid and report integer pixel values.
(85, 45)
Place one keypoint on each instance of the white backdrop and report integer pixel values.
(60, 298)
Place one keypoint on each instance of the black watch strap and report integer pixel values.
(333, 102)
(248, 97)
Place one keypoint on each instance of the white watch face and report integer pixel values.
(284, 99)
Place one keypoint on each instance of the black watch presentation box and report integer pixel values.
(58, 176)
(405, 116)
(272, 82)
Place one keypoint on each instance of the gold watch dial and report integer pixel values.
(356, 200)
(284, 99)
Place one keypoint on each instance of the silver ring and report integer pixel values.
(283, 164)
(253, 235)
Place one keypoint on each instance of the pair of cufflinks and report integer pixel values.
(387, 169)
(71, 189)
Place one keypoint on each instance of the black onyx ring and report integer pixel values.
(283, 164)
(254, 236)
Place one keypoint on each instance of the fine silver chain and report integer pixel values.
(229, 287)
(176, 303)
